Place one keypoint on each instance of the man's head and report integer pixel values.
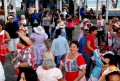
(103, 45)
(109, 60)
(10, 19)
(14, 14)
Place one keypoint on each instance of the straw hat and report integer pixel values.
(117, 24)
(61, 24)
(85, 19)
(108, 71)
(39, 30)
(89, 23)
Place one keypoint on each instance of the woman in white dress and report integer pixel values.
(2, 74)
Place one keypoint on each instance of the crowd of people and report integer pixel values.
(54, 55)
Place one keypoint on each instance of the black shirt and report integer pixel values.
(12, 29)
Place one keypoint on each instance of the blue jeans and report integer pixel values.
(58, 59)
(88, 62)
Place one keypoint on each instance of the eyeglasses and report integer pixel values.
(104, 62)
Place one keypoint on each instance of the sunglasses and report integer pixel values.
(104, 62)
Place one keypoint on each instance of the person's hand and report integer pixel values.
(21, 33)
(16, 66)
(20, 23)
(2, 41)
(18, 33)
(13, 60)
(76, 80)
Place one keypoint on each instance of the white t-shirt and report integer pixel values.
(48, 75)
(31, 10)
(64, 13)
(100, 23)
(12, 10)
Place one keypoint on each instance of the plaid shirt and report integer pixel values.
(24, 55)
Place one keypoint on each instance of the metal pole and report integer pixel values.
(80, 5)
(58, 4)
(5, 8)
(75, 1)
(107, 10)
(14, 4)
(97, 9)
(36, 5)
(61, 5)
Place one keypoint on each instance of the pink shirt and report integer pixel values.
(70, 24)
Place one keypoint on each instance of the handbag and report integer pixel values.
(52, 25)
(35, 21)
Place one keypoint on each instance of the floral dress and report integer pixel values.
(73, 67)
(3, 46)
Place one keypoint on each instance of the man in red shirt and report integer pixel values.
(91, 45)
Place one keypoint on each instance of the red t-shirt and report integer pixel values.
(93, 43)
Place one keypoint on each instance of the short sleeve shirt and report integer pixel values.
(99, 24)
(46, 22)
(93, 44)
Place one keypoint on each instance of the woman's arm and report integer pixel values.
(104, 23)
(42, 23)
(8, 36)
(47, 44)
(25, 38)
(83, 71)
(61, 67)
(61, 79)
(14, 59)
(25, 64)
(89, 47)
